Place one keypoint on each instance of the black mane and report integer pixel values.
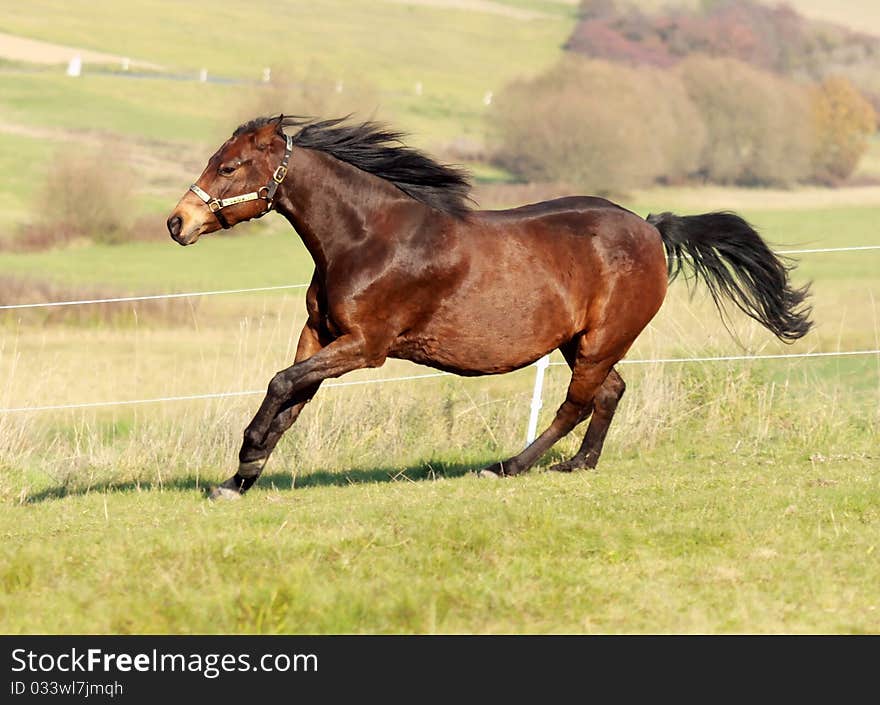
(374, 148)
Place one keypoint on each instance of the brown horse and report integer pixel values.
(404, 268)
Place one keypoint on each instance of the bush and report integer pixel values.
(606, 127)
(842, 120)
(677, 126)
(758, 123)
(599, 126)
(87, 194)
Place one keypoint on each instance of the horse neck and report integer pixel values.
(331, 204)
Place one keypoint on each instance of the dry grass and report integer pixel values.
(423, 427)
(18, 290)
(449, 419)
(730, 498)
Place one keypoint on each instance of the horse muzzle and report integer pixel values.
(182, 229)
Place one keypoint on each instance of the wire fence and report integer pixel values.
(216, 292)
(151, 297)
(430, 375)
(541, 365)
(210, 395)
(860, 248)
(733, 358)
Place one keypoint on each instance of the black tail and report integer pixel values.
(731, 258)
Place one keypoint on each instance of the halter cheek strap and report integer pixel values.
(267, 192)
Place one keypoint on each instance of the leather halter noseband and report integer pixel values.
(267, 192)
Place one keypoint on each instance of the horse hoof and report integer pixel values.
(222, 493)
(572, 466)
(495, 470)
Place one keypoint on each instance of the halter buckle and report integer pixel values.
(280, 173)
(214, 206)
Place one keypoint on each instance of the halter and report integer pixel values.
(215, 205)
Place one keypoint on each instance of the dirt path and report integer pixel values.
(495, 8)
(35, 51)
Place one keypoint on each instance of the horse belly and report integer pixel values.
(477, 335)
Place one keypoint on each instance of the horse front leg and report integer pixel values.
(288, 392)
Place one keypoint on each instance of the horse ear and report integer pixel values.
(264, 135)
(279, 124)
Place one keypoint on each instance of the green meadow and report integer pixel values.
(732, 497)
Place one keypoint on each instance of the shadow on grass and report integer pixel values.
(271, 480)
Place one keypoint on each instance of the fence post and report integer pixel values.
(74, 66)
(537, 400)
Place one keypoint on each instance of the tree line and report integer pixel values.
(682, 96)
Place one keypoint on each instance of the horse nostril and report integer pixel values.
(175, 223)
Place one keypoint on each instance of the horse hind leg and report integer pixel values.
(604, 406)
(591, 359)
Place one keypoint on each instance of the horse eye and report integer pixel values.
(227, 169)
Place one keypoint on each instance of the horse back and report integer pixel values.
(566, 204)
(585, 223)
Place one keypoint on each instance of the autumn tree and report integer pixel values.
(842, 121)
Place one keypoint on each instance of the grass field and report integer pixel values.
(760, 544)
(391, 50)
(732, 497)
